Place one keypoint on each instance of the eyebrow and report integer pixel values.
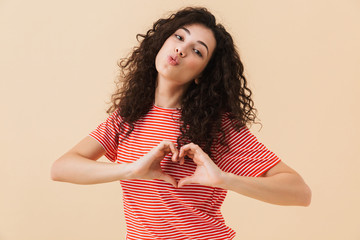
(201, 42)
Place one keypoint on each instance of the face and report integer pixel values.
(185, 54)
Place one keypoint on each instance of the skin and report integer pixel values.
(280, 185)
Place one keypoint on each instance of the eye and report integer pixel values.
(198, 52)
(179, 37)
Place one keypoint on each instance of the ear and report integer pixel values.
(197, 79)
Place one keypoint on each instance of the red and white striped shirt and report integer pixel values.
(154, 209)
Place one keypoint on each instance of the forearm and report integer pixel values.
(280, 189)
(76, 169)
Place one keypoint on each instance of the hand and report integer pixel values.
(206, 173)
(148, 166)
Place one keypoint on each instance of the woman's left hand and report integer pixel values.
(206, 173)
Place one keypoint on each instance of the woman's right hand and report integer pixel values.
(148, 166)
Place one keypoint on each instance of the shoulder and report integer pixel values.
(113, 121)
(115, 116)
(233, 134)
(230, 125)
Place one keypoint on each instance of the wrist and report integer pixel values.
(225, 178)
(126, 171)
(221, 181)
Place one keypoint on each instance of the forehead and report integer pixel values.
(202, 33)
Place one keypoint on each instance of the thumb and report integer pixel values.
(169, 179)
(186, 180)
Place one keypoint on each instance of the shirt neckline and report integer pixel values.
(166, 109)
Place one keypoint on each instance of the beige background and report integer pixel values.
(58, 63)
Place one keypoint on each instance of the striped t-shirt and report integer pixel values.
(154, 209)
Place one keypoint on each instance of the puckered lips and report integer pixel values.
(173, 60)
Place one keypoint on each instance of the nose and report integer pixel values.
(180, 52)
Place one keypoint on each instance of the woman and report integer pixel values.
(177, 131)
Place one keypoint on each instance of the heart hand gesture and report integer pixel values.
(148, 166)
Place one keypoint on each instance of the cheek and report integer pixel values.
(196, 66)
(162, 54)
(158, 58)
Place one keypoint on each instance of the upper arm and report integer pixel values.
(89, 148)
(280, 167)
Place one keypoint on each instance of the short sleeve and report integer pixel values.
(245, 155)
(105, 134)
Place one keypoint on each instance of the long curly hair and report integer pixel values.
(222, 87)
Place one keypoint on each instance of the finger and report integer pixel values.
(190, 149)
(182, 161)
(186, 180)
(187, 151)
(174, 151)
(181, 156)
(169, 146)
(164, 146)
(169, 179)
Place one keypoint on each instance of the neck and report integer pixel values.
(168, 94)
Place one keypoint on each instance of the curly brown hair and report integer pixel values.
(222, 86)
